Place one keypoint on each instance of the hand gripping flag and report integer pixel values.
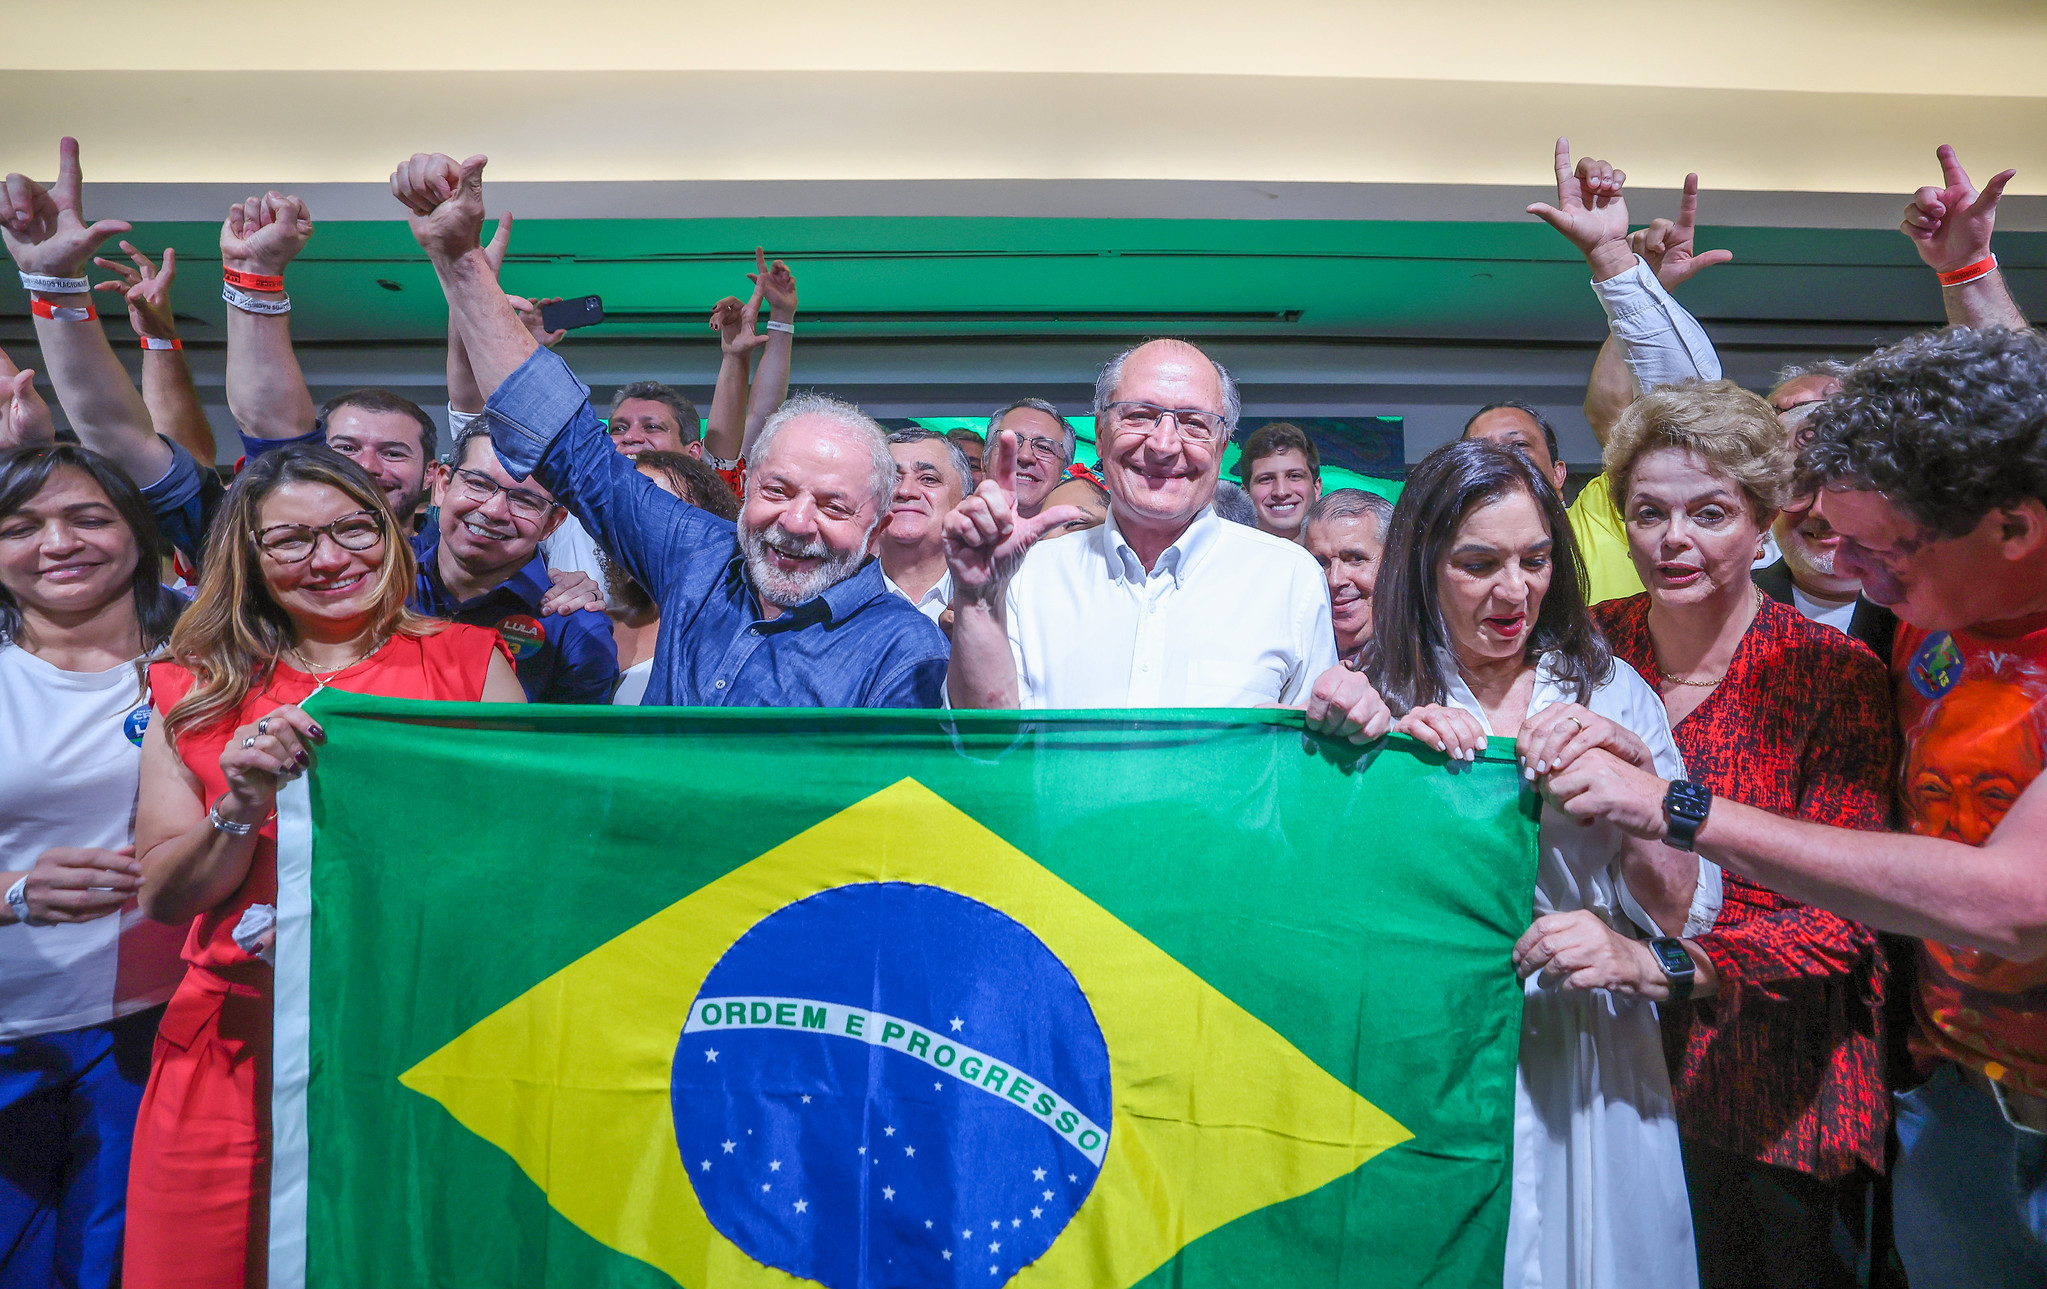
(865, 999)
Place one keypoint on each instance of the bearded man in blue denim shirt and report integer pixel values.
(786, 609)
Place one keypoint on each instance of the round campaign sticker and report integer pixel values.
(887, 1083)
(136, 724)
(525, 635)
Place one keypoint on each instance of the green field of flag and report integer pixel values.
(590, 997)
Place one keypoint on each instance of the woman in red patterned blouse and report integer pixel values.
(1777, 1066)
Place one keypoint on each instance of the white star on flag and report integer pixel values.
(938, 1087)
(1037, 1174)
(764, 1188)
(946, 1254)
(927, 1223)
(910, 1152)
(1015, 1221)
(710, 1054)
(995, 1226)
(888, 1131)
(967, 1234)
(728, 1145)
(863, 1150)
(955, 1024)
(1047, 1197)
(774, 1165)
(803, 1206)
(1037, 1212)
(706, 1166)
(1071, 1178)
(995, 1246)
(888, 1192)
(806, 1098)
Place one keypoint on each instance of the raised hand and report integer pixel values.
(146, 289)
(1951, 225)
(529, 313)
(737, 322)
(985, 540)
(1669, 247)
(778, 282)
(24, 416)
(445, 201)
(44, 228)
(1590, 210)
(265, 234)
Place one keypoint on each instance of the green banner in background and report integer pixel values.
(625, 997)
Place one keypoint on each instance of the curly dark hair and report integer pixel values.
(1950, 425)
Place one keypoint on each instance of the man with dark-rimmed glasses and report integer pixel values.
(1164, 605)
(481, 564)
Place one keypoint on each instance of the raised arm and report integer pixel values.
(985, 543)
(771, 382)
(24, 416)
(50, 242)
(725, 427)
(1951, 226)
(465, 399)
(167, 388)
(266, 391)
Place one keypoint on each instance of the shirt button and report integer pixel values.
(719, 685)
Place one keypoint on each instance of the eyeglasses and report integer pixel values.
(480, 487)
(294, 543)
(1132, 417)
(1051, 448)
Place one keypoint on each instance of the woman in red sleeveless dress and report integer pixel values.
(304, 588)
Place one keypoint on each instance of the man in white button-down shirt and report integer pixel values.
(1164, 605)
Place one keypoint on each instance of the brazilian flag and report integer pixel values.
(596, 998)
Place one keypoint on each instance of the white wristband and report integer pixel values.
(48, 285)
(787, 327)
(17, 899)
(152, 342)
(247, 303)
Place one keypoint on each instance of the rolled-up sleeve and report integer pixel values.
(533, 407)
(1660, 341)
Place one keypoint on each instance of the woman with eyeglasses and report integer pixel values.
(1480, 629)
(304, 589)
(83, 976)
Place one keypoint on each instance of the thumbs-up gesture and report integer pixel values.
(985, 540)
(265, 234)
(44, 228)
(444, 198)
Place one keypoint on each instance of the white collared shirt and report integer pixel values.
(936, 600)
(1227, 617)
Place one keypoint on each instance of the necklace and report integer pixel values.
(1702, 684)
(321, 682)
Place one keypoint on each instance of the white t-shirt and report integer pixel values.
(1227, 617)
(936, 600)
(632, 683)
(73, 758)
(1836, 614)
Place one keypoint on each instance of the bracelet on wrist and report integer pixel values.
(17, 900)
(1970, 272)
(42, 308)
(252, 281)
(52, 284)
(234, 828)
(247, 303)
(155, 342)
(787, 328)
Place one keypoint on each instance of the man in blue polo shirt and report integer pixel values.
(481, 564)
(788, 609)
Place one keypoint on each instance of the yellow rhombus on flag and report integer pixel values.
(1215, 1115)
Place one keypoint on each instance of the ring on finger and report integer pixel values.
(1575, 721)
(248, 742)
(263, 726)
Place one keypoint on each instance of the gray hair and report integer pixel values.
(1234, 504)
(1112, 376)
(1036, 405)
(953, 456)
(1352, 503)
(1831, 367)
(844, 416)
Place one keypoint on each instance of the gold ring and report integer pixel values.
(1575, 721)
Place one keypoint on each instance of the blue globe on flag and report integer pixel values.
(889, 1084)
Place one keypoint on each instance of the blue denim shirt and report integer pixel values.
(857, 645)
(560, 658)
(184, 502)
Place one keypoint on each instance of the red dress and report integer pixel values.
(1785, 1065)
(199, 1182)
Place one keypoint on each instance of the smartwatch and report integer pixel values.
(1677, 965)
(1684, 809)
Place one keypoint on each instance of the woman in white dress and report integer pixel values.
(1481, 629)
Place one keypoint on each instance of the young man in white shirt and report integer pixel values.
(1164, 605)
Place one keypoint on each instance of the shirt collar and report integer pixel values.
(1176, 561)
(940, 590)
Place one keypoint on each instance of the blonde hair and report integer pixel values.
(1733, 431)
(231, 635)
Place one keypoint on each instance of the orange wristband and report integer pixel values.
(253, 281)
(151, 342)
(1969, 272)
(42, 308)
